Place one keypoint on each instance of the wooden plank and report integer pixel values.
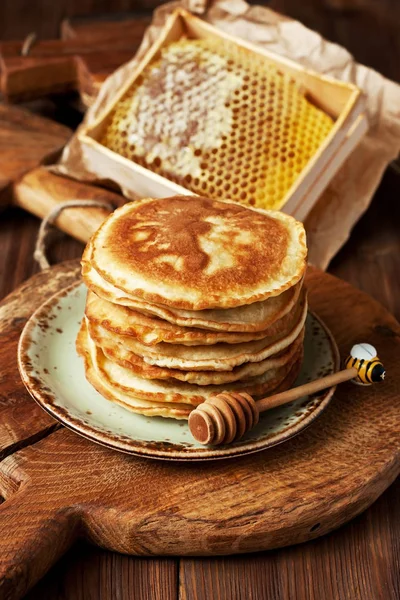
(94, 68)
(86, 572)
(51, 65)
(26, 140)
(370, 259)
(46, 16)
(21, 420)
(40, 191)
(361, 560)
(105, 28)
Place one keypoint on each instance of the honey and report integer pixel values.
(220, 121)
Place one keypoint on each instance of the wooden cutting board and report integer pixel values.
(59, 486)
(27, 141)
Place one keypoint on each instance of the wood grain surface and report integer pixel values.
(56, 66)
(332, 567)
(45, 16)
(64, 486)
(26, 140)
(40, 192)
(368, 28)
(361, 560)
(94, 67)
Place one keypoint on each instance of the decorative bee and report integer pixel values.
(370, 369)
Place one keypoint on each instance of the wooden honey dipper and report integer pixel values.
(226, 417)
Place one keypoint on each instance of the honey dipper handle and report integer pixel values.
(306, 389)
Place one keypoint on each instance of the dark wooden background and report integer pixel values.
(370, 29)
(361, 561)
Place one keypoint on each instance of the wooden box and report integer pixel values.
(342, 101)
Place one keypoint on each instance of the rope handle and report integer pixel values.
(40, 248)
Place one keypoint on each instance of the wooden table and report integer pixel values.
(362, 559)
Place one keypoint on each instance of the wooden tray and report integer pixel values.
(62, 486)
(343, 101)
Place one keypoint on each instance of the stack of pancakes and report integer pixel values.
(189, 297)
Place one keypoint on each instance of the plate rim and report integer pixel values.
(109, 441)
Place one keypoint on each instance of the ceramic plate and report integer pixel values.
(54, 375)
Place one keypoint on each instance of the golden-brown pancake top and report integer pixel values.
(193, 252)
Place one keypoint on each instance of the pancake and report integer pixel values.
(153, 409)
(141, 368)
(142, 407)
(253, 317)
(150, 330)
(219, 357)
(193, 253)
(190, 297)
(154, 390)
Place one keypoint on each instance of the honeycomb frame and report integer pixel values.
(342, 100)
(240, 128)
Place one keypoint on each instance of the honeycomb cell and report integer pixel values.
(218, 120)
